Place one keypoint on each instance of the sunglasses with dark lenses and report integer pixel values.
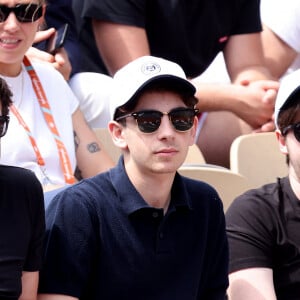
(296, 130)
(25, 13)
(4, 120)
(149, 121)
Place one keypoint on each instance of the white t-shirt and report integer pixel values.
(282, 17)
(16, 148)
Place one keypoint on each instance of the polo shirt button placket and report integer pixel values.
(155, 214)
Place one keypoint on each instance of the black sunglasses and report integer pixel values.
(24, 13)
(4, 120)
(149, 121)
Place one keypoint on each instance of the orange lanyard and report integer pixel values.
(45, 107)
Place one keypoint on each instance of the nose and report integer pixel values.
(11, 23)
(166, 129)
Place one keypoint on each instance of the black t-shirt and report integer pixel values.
(263, 232)
(188, 32)
(22, 225)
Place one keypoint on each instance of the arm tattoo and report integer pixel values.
(93, 147)
(76, 140)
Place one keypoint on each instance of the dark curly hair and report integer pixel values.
(5, 97)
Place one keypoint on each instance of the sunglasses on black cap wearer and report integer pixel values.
(149, 121)
(296, 130)
(25, 13)
(4, 120)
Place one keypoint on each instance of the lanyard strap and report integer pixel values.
(46, 110)
(37, 152)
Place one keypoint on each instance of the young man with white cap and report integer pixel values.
(140, 231)
(263, 224)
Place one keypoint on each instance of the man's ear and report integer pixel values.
(281, 141)
(193, 132)
(116, 131)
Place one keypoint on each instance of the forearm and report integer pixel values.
(92, 159)
(219, 97)
(253, 102)
(29, 285)
(90, 154)
(254, 73)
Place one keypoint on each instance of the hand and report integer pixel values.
(59, 60)
(256, 105)
(269, 126)
(62, 63)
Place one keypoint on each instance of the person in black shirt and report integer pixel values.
(263, 224)
(22, 222)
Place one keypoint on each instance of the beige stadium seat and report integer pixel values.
(194, 155)
(105, 138)
(228, 184)
(257, 157)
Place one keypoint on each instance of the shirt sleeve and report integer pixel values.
(247, 17)
(250, 231)
(117, 11)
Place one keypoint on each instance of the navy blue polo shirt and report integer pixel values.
(105, 242)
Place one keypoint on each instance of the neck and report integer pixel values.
(10, 70)
(295, 184)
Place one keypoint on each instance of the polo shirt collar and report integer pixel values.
(132, 201)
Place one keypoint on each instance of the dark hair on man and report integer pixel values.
(287, 116)
(5, 97)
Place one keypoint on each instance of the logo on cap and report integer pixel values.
(150, 68)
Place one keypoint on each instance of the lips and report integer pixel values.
(166, 151)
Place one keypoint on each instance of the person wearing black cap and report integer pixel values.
(141, 230)
(263, 224)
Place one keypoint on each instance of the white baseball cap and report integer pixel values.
(289, 92)
(134, 77)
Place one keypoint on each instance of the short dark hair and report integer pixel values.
(189, 100)
(287, 116)
(5, 97)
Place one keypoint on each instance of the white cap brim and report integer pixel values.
(139, 74)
